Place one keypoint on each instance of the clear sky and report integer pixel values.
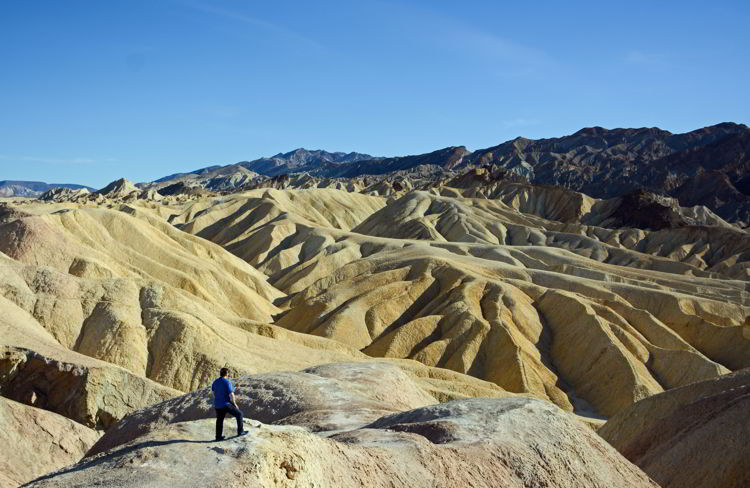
(94, 90)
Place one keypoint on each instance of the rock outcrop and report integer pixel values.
(119, 188)
(60, 194)
(36, 442)
(331, 426)
(325, 398)
(35, 369)
(691, 436)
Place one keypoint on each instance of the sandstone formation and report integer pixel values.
(441, 278)
(118, 188)
(252, 225)
(134, 292)
(480, 288)
(691, 436)
(36, 442)
(342, 426)
(142, 295)
(451, 311)
(37, 370)
(471, 285)
(717, 248)
(59, 194)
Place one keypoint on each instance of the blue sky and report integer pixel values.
(94, 90)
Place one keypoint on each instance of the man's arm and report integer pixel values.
(234, 402)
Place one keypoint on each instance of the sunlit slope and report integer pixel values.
(526, 330)
(142, 295)
(274, 229)
(124, 299)
(589, 317)
(690, 249)
(101, 243)
(38, 370)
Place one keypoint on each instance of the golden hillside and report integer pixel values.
(129, 299)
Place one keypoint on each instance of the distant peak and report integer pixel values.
(122, 186)
(727, 126)
(591, 131)
(598, 131)
(294, 152)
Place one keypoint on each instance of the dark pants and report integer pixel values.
(221, 413)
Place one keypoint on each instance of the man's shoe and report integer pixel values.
(242, 433)
(220, 438)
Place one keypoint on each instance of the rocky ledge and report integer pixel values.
(347, 425)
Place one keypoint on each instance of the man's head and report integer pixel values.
(224, 372)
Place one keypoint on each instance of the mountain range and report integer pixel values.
(9, 188)
(708, 166)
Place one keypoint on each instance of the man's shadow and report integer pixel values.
(113, 455)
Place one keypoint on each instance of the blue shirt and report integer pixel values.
(222, 387)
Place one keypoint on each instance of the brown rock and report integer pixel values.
(691, 436)
(36, 442)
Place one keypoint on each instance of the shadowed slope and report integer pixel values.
(707, 421)
(36, 442)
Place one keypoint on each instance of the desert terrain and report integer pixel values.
(449, 321)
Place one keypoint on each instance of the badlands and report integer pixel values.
(406, 330)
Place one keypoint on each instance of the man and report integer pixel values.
(225, 403)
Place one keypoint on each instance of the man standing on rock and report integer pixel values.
(225, 403)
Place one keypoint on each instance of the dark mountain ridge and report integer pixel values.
(586, 159)
(301, 160)
(708, 166)
(446, 158)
